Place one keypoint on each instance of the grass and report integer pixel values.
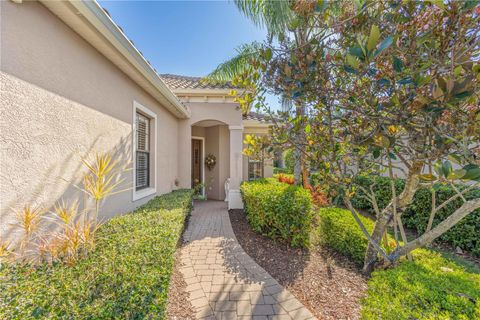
(430, 287)
(126, 276)
(434, 285)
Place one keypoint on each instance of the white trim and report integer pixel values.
(235, 199)
(203, 160)
(136, 195)
(240, 127)
(206, 92)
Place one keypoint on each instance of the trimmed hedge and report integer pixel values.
(126, 276)
(278, 210)
(430, 287)
(464, 235)
(277, 170)
(338, 230)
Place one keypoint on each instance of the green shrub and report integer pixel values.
(126, 276)
(278, 210)
(315, 179)
(277, 170)
(289, 160)
(338, 230)
(430, 287)
(381, 188)
(464, 234)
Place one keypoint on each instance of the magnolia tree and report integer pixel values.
(412, 102)
(385, 87)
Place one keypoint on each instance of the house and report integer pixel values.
(73, 84)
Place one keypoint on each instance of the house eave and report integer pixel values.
(89, 20)
(204, 92)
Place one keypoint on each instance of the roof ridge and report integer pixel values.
(171, 75)
(175, 81)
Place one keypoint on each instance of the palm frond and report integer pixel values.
(235, 66)
(274, 15)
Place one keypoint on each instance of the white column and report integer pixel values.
(184, 154)
(236, 147)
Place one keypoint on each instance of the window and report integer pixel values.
(255, 169)
(144, 157)
(142, 138)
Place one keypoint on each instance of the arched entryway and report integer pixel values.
(210, 138)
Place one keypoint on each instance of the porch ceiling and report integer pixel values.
(208, 123)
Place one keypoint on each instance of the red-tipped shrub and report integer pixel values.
(319, 197)
(286, 178)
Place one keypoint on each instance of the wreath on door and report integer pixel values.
(210, 161)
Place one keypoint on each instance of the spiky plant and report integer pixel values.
(66, 213)
(5, 252)
(28, 220)
(102, 179)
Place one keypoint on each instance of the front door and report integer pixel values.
(196, 162)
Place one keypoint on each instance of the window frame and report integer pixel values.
(262, 168)
(152, 116)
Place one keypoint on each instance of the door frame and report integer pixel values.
(202, 165)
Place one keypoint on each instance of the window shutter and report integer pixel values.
(142, 168)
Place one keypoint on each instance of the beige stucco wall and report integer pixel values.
(60, 101)
(217, 142)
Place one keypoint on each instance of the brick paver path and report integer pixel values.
(223, 281)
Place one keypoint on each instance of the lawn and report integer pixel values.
(126, 276)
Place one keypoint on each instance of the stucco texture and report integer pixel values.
(61, 100)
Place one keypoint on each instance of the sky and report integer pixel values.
(185, 37)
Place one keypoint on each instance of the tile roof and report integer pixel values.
(261, 117)
(183, 82)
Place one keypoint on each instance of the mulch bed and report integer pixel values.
(328, 284)
(179, 306)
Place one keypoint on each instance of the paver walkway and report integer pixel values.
(223, 281)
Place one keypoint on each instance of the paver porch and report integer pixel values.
(222, 280)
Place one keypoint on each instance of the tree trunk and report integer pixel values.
(297, 169)
(386, 215)
(371, 253)
(299, 154)
(440, 229)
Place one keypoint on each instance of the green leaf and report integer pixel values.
(373, 38)
(352, 61)
(376, 153)
(446, 168)
(308, 128)
(472, 172)
(392, 156)
(438, 3)
(457, 71)
(387, 42)
(349, 69)
(457, 174)
(455, 158)
(428, 177)
(294, 24)
(357, 52)
(438, 168)
(268, 54)
(397, 64)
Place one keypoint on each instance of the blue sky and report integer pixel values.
(184, 37)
